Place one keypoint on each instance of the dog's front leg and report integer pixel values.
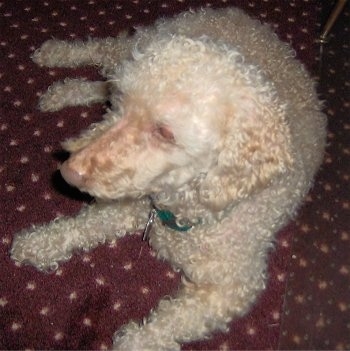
(196, 312)
(99, 52)
(73, 92)
(46, 245)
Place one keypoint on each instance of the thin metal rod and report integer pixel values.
(331, 20)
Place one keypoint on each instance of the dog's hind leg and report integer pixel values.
(73, 92)
(193, 314)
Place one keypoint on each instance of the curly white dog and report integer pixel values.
(213, 138)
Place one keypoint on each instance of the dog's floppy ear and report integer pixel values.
(255, 149)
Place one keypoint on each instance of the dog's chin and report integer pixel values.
(116, 196)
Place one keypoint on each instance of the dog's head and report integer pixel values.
(188, 109)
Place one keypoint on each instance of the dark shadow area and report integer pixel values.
(62, 186)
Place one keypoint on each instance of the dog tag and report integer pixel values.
(149, 224)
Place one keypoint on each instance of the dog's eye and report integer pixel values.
(164, 132)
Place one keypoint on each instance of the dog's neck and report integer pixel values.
(172, 217)
(168, 219)
(183, 205)
(187, 206)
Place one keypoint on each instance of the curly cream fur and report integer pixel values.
(212, 118)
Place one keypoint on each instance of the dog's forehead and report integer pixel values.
(171, 102)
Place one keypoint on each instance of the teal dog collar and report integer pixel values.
(167, 218)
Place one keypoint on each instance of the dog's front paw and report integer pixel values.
(34, 247)
(53, 99)
(132, 337)
(52, 53)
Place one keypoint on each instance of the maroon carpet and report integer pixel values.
(307, 301)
